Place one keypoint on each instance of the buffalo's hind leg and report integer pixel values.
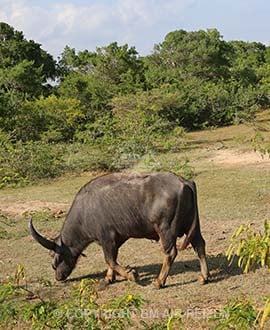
(170, 254)
(198, 244)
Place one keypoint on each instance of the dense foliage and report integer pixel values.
(121, 103)
(252, 248)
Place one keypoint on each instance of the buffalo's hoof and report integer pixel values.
(133, 275)
(202, 280)
(110, 279)
(157, 284)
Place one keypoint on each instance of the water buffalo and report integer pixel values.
(112, 208)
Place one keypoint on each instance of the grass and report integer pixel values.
(59, 190)
(229, 194)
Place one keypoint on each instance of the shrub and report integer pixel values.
(264, 313)
(241, 314)
(193, 103)
(252, 248)
(135, 128)
(237, 314)
(127, 135)
(22, 163)
(259, 142)
(51, 119)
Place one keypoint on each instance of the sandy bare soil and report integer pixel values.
(19, 208)
(233, 158)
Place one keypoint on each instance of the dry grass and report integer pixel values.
(230, 193)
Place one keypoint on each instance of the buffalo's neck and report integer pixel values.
(73, 236)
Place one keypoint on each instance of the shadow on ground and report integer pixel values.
(218, 266)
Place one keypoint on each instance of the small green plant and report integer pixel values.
(237, 315)
(170, 323)
(5, 223)
(4, 234)
(252, 248)
(23, 307)
(173, 322)
(259, 144)
(264, 313)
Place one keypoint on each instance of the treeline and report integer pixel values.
(114, 97)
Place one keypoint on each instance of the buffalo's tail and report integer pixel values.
(195, 221)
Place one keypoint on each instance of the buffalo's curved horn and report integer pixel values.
(50, 245)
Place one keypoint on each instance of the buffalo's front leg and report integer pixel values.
(110, 250)
(110, 276)
(129, 274)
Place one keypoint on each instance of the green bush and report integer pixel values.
(237, 314)
(80, 157)
(252, 248)
(259, 142)
(129, 133)
(264, 314)
(51, 119)
(22, 163)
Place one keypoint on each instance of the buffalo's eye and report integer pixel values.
(52, 254)
(57, 261)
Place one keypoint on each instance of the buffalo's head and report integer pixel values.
(63, 260)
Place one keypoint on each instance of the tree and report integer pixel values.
(96, 77)
(201, 54)
(24, 70)
(115, 65)
(24, 65)
(95, 94)
(246, 58)
(81, 62)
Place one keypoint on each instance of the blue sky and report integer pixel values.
(87, 24)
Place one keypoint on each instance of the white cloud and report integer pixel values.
(36, 22)
(142, 23)
(83, 25)
(82, 17)
(130, 12)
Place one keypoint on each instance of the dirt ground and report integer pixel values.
(183, 292)
(233, 158)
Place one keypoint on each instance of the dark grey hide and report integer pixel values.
(115, 207)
